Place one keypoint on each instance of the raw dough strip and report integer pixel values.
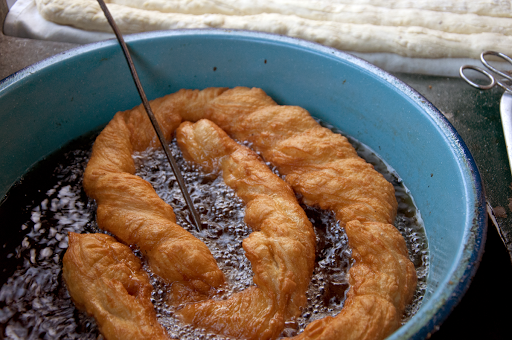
(129, 207)
(409, 41)
(498, 8)
(328, 11)
(281, 247)
(324, 168)
(106, 279)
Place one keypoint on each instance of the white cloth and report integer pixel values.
(24, 21)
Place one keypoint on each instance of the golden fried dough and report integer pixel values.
(327, 172)
(321, 166)
(382, 282)
(129, 207)
(281, 247)
(106, 279)
(362, 317)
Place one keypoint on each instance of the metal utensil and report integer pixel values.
(505, 108)
(152, 118)
(506, 99)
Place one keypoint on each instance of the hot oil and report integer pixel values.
(221, 211)
(224, 232)
(38, 214)
(34, 302)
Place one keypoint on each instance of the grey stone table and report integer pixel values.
(16, 53)
(475, 115)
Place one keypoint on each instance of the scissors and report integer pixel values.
(506, 99)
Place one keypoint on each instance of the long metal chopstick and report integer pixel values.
(154, 122)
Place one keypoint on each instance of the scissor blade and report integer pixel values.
(506, 121)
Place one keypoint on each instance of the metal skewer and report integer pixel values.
(152, 118)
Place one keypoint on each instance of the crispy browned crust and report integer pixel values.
(325, 169)
(382, 282)
(281, 247)
(106, 280)
(319, 165)
(129, 207)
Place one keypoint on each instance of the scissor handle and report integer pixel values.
(480, 70)
(495, 70)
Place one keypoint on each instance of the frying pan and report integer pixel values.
(61, 98)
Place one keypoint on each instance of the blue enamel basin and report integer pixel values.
(68, 95)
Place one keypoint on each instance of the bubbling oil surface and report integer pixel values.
(34, 303)
(223, 233)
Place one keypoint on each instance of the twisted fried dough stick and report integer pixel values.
(106, 279)
(129, 207)
(281, 247)
(321, 166)
(324, 168)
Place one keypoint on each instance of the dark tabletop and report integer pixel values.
(484, 311)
